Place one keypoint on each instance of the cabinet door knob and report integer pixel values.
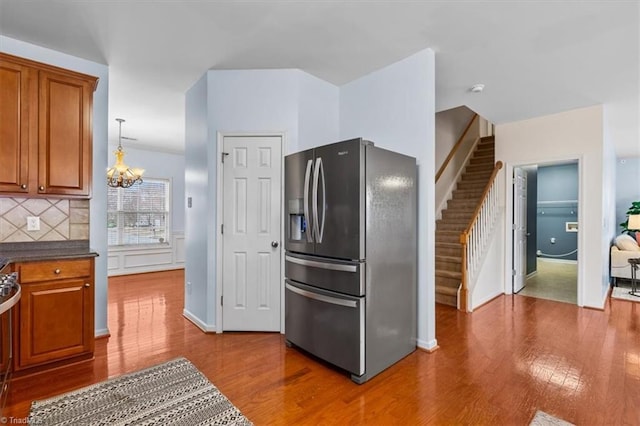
(57, 271)
(23, 186)
(87, 285)
(41, 187)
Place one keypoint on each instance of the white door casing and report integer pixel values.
(251, 220)
(519, 228)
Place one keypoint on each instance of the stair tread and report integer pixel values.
(448, 258)
(448, 274)
(447, 290)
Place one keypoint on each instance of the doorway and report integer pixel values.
(545, 236)
(251, 197)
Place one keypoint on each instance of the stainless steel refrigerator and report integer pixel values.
(350, 263)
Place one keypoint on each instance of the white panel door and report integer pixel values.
(251, 233)
(519, 229)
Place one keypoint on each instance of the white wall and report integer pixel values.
(610, 226)
(98, 212)
(289, 102)
(449, 127)
(395, 108)
(576, 134)
(200, 217)
(487, 286)
(133, 260)
(319, 105)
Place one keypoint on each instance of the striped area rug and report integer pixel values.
(173, 393)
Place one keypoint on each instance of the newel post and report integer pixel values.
(464, 290)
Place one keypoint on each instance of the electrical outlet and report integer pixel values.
(33, 223)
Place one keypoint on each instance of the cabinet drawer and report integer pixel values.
(54, 270)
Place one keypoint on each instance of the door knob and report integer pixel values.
(274, 244)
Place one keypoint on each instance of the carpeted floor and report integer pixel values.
(553, 281)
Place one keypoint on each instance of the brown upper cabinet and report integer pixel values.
(46, 129)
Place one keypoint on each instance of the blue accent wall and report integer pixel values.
(556, 205)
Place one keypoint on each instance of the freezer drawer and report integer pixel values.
(326, 324)
(328, 274)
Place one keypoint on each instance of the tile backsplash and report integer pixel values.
(59, 219)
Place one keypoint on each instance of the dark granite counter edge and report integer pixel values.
(46, 250)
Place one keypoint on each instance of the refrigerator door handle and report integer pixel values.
(324, 200)
(316, 180)
(307, 178)
(322, 297)
(322, 265)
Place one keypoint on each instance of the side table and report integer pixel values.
(634, 278)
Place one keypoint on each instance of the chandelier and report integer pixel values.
(120, 175)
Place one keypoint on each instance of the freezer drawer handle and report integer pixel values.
(322, 265)
(322, 297)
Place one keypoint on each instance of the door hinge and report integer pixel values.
(224, 154)
(513, 272)
(221, 300)
(222, 229)
(513, 226)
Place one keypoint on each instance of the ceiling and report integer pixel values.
(534, 57)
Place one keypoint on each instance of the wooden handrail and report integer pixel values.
(455, 148)
(474, 216)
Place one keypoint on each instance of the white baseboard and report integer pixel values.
(103, 332)
(547, 259)
(427, 345)
(199, 323)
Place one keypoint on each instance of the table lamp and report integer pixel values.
(634, 225)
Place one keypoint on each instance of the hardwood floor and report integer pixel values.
(498, 365)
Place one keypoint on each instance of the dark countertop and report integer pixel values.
(45, 250)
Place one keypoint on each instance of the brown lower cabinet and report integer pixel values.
(4, 341)
(55, 316)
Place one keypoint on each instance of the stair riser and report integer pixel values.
(448, 266)
(483, 146)
(458, 227)
(447, 237)
(450, 283)
(477, 177)
(448, 215)
(462, 194)
(445, 299)
(470, 185)
(482, 160)
(447, 251)
(479, 168)
(461, 205)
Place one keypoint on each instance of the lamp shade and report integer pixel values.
(634, 222)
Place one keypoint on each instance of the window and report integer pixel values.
(138, 215)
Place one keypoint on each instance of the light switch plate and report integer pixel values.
(33, 223)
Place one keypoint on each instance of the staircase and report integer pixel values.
(456, 217)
